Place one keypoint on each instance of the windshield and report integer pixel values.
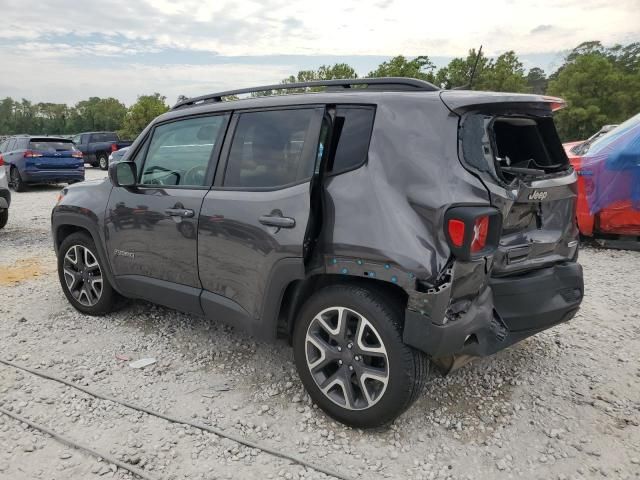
(613, 135)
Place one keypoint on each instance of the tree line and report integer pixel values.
(600, 84)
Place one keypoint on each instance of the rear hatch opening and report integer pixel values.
(526, 148)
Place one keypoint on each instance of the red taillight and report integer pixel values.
(1, 160)
(77, 154)
(456, 231)
(32, 154)
(472, 231)
(480, 232)
(114, 147)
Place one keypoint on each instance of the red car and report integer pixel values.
(608, 168)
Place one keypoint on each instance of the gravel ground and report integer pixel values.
(562, 405)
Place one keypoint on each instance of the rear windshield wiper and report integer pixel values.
(531, 172)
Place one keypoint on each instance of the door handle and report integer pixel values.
(180, 212)
(277, 221)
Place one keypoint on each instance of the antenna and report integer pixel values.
(473, 73)
(475, 65)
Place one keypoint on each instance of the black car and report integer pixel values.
(376, 228)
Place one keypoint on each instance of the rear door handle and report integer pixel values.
(277, 221)
(180, 212)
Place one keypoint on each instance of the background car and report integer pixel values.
(608, 171)
(97, 146)
(5, 194)
(575, 149)
(117, 155)
(30, 160)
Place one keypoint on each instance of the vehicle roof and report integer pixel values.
(98, 131)
(452, 98)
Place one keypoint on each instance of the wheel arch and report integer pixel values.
(297, 292)
(65, 224)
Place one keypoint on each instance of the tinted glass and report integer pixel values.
(179, 152)
(50, 145)
(11, 144)
(103, 137)
(267, 149)
(77, 139)
(353, 144)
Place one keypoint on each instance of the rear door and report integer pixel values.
(151, 228)
(255, 218)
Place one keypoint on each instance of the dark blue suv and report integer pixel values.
(31, 160)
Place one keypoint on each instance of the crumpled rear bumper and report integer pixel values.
(508, 310)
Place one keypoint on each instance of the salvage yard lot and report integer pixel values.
(563, 404)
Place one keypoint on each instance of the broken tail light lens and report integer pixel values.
(473, 231)
(114, 147)
(480, 232)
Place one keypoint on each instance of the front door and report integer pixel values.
(257, 213)
(152, 228)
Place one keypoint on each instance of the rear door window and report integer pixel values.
(103, 137)
(179, 152)
(352, 130)
(268, 149)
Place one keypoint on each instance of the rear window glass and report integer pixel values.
(51, 145)
(355, 124)
(104, 137)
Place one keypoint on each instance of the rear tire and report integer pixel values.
(103, 161)
(16, 180)
(350, 356)
(4, 217)
(82, 276)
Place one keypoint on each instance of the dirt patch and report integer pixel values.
(25, 269)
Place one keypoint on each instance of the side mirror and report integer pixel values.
(123, 174)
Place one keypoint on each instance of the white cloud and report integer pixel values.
(68, 40)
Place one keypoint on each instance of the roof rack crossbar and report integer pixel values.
(379, 84)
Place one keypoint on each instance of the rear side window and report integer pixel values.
(179, 152)
(103, 137)
(352, 129)
(42, 145)
(268, 149)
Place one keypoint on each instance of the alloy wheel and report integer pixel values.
(103, 162)
(347, 358)
(82, 275)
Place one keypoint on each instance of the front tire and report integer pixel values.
(103, 162)
(4, 217)
(82, 276)
(350, 356)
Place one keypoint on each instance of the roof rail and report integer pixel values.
(392, 84)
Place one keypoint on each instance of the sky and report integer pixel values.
(66, 51)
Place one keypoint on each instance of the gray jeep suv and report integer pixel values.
(377, 225)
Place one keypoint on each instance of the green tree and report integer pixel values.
(505, 74)
(146, 108)
(537, 81)
(420, 67)
(601, 86)
(458, 72)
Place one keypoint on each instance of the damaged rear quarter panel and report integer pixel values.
(388, 215)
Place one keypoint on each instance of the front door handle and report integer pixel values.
(180, 212)
(277, 221)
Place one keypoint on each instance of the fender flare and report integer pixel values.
(62, 219)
